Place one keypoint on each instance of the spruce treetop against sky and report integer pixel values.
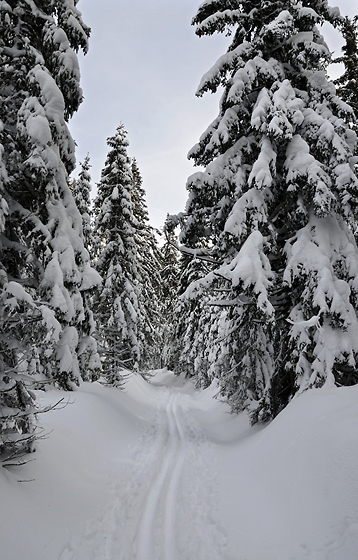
(266, 65)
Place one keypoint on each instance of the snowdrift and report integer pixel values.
(287, 490)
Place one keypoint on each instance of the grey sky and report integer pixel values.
(144, 65)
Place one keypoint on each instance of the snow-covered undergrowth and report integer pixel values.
(162, 471)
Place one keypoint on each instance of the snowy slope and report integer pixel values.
(162, 471)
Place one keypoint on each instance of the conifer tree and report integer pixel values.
(44, 266)
(88, 357)
(81, 189)
(190, 320)
(169, 276)
(348, 82)
(148, 266)
(276, 205)
(116, 303)
(193, 322)
(169, 273)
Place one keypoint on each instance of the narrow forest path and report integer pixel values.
(163, 507)
(162, 471)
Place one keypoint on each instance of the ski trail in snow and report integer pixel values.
(163, 506)
(173, 489)
(146, 545)
(164, 489)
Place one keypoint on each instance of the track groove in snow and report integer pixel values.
(162, 507)
(173, 490)
(164, 489)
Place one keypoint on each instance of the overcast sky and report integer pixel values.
(144, 65)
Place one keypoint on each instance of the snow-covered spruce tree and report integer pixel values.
(169, 275)
(150, 320)
(348, 82)
(170, 271)
(81, 189)
(89, 360)
(44, 266)
(116, 302)
(277, 203)
(193, 322)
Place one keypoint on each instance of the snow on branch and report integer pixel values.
(251, 267)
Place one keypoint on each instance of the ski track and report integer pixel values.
(165, 487)
(163, 507)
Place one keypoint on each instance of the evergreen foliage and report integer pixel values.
(88, 357)
(81, 189)
(169, 275)
(275, 207)
(348, 82)
(193, 322)
(45, 268)
(149, 282)
(116, 304)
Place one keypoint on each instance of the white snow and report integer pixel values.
(251, 201)
(211, 79)
(260, 175)
(19, 293)
(90, 278)
(162, 471)
(283, 20)
(54, 104)
(251, 267)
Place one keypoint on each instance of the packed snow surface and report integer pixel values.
(161, 471)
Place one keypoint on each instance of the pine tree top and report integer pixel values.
(348, 82)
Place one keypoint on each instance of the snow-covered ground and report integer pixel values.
(161, 471)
